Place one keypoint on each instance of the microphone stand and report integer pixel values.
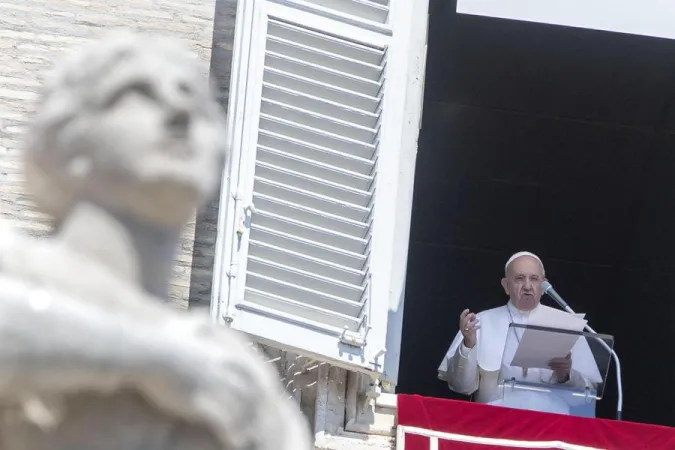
(619, 387)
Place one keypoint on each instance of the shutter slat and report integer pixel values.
(366, 9)
(319, 105)
(303, 294)
(318, 122)
(339, 224)
(370, 10)
(331, 61)
(319, 169)
(298, 147)
(311, 232)
(308, 279)
(310, 38)
(313, 184)
(287, 63)
(311, 135)
(299, 245)
(342, 160)
(316, 88)
(305, 262)
(276, 305)
(311, 200)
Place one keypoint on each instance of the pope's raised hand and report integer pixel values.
(468, 325)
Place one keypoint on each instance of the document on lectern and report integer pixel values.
(538, 347)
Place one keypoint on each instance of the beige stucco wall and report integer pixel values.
(33, 33)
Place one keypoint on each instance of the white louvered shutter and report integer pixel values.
(309, 207)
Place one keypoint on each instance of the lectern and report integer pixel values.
(528, 382)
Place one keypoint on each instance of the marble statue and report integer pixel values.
(126, 142)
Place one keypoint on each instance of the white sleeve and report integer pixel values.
(463, 374)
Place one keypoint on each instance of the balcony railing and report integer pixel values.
(435, 436)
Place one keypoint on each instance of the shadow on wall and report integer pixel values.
(207, 220)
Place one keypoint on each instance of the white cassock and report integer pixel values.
(479, 370)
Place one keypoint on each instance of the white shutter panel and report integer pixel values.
(301, 219)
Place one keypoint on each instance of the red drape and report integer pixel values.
(475, 420)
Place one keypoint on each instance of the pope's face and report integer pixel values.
(522, 282)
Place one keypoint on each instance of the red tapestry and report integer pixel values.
(473, 426)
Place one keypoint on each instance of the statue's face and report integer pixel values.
(155, 126)
(143, 116)
(149, 139)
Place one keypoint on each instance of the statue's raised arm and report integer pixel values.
(126, 142)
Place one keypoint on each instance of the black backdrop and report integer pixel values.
(560, 141)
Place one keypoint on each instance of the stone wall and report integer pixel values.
(34, 33)
(207, 221)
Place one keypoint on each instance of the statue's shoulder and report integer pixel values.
(8, 235)
(14, 246)
(33, 262)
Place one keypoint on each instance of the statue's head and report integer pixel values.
(129, 123)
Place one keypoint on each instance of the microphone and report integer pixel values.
(548, 290)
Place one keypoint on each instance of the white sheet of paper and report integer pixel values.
(538, 347)
(554, 318)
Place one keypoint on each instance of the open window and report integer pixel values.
(318, 126)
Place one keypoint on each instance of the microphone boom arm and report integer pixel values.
(548, 290)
